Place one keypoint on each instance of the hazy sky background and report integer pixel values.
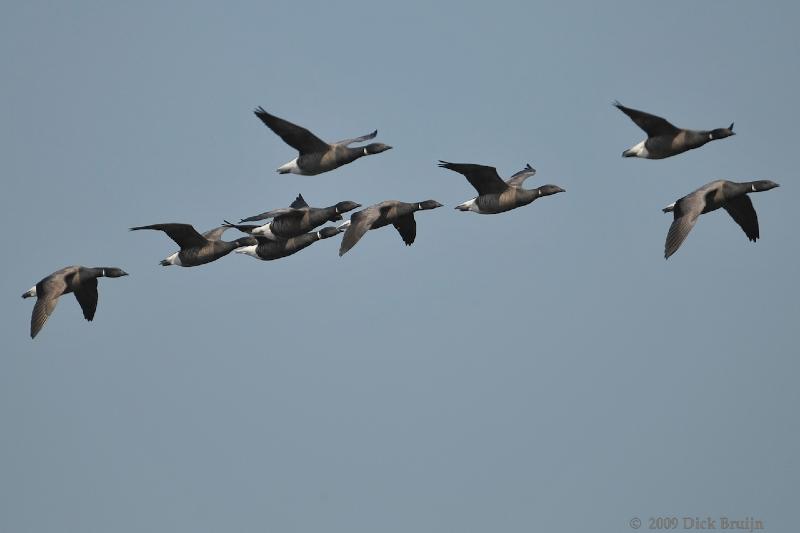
(540, 370)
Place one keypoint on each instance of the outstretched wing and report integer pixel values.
(517, 179)
(651, 124)
(361, 139)
(47, 292)
(87, 297)
(742, 211)
(41, 312)
(484, 178)
(216, 233)
(275, 213)
(183, 234)
(295, 136)
(244, 228)
(406, 226)
(360, 223)
(686, 212)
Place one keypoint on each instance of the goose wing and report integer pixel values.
(299, 202)
(742, 211)
(484, 178)
(652, 125)
(216, 233)
(517, 179)
(295, 136)
(47, 292)
(686, 212)
(87, 297)
(275, 213)
(406, 226)
(361, 139)
(360, 223)
(183, 234)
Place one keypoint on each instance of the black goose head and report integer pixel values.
(344, 207)
(547, 190)
(429, 204)
(375, 148)
(762, 185)
(113, 272)
(245, 241)
(721, 133)
(329, 231)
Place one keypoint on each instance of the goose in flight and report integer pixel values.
(79, 280)
(664, 139)
(728, 195)
(270, 249)
(315, 155)
(196, 249)
(399, 214)
(297, 219)
(494, 194)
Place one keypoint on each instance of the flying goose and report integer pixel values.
(317, 156)
(729, 195)
(269, 249)
(400, 214)
(297, 219)
(494, 194)
(196, 249)
(664, 139)
(80, 280)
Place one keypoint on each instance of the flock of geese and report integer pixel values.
(293, 228)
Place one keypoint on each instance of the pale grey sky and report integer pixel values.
(541, 370)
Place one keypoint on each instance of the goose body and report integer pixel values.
(315, 155)
(79, 280)
(664, 139)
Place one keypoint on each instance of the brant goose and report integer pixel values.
(400, 214)
(494, 194)
(267, 249)
(316, 156)
(196, 249)
(729, 195)
(294, 220)
(664, 139)
(80, 280)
